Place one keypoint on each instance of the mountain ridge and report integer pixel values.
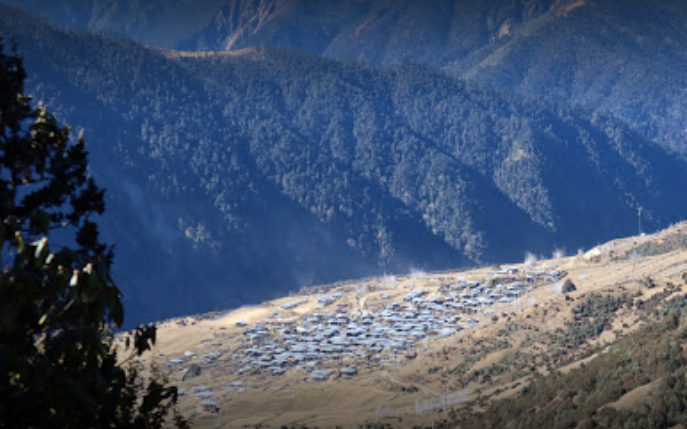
(626, 61)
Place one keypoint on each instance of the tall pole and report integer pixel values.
(639, 220)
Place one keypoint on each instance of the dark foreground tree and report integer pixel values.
(59, 366)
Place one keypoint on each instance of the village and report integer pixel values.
(407, 350)
(348, 332)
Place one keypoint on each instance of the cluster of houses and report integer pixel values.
(321, 342)
(338, 340)
(205, 395)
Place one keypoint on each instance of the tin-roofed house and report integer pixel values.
(210, 406)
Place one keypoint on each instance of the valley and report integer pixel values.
(344, 214)
(275, 169)
(407, 350)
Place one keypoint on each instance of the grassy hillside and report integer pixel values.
(638, 382)
(593, 340)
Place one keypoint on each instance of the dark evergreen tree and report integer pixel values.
(59, 306)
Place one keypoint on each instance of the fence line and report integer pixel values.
(447, 399)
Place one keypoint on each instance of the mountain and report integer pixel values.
(626, 61)
(235, 177)
(373, 31)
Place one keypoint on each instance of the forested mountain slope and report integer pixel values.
(626, 59)
(236, 177)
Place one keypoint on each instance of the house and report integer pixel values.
(211, 357)
(276, 370)
(210, 406)
(245, 369)
(324, 301)
(293, 304)
(348, 371)
(320, 375)
(302, 331)
(198, 389)
(414, 294)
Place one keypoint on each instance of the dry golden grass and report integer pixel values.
(288, 400)
(636, 397)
